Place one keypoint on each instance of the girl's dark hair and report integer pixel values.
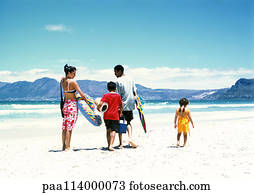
(68, 69)
(111, 86)
(183, 102)
(119, 68)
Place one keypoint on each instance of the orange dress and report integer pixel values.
(183, 121)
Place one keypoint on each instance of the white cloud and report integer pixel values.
(5, 73)
(29, 75)
(186, 78)
(159, 77)
(57, 28)
(37, 71)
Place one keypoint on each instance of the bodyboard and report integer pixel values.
(88, 110)
(139, 104)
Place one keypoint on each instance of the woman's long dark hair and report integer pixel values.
(68, 69)
(183, 102)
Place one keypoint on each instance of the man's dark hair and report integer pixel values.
(119, 68)
(111, 86)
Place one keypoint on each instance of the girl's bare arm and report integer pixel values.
(189, 116)
(176, 115)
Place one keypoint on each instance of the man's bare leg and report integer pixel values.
(129, 129)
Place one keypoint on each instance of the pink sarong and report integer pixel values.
(70, 111)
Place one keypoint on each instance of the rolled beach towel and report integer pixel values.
(104, 106)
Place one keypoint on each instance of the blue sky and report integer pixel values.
(38, 37)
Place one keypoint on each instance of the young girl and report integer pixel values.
(183, 117)
(70, 109)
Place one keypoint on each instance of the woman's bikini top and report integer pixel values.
(70, 91)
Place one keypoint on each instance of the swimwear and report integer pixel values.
(70, 111)
(69, 91)
(183, 122)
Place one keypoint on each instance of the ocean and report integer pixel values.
(22, 119)
(28, 110)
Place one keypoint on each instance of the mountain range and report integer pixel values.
(47, 89)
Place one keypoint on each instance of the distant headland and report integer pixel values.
(47, 89)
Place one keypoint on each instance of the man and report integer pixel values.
(125, 86)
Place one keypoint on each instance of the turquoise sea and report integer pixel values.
(26, 110)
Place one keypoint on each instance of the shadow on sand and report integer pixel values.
(117, 148)
(55, 150)
(75, 149)
(174, 146)
(84, 149)
(91, 149)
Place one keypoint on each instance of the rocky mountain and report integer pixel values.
(243, 89)
(2, 84)
(93, 88)
(41, 89)
(170, 94)
(48, 89)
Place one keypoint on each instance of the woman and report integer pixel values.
(70, 109)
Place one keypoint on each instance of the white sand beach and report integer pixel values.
(219, 148)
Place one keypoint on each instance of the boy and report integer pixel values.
(111, 116)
